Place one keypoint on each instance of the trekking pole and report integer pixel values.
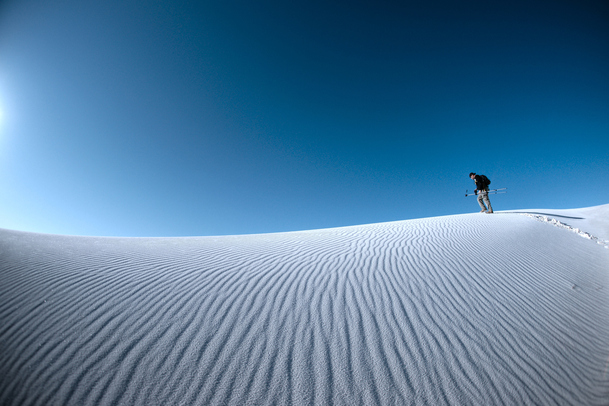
(490, 192)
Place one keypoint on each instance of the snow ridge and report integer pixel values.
(456, 310)
(556, 223)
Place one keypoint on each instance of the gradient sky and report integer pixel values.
(177, 118)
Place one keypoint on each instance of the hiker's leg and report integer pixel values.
(487, 201)
(480, 197)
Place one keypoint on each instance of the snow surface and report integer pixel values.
(471, 309)
(592, 220)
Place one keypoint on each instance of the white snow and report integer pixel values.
(469, 309)
(557, 223)
(592, 220)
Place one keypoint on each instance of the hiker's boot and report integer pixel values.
(489, 211)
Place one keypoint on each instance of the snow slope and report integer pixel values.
(464, 310)
(593, 220)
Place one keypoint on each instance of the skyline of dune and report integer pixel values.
(474, 309)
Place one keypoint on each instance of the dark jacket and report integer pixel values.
(479, 183)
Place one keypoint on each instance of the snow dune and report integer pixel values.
(462, 310)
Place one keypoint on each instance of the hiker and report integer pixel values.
(482, 183)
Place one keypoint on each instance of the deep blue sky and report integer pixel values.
(175, 118)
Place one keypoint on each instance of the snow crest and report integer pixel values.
(556, 223)
(456, 310)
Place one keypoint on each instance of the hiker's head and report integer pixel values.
(471, 175)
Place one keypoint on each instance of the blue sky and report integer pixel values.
(176, 118)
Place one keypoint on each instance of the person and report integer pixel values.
(482, 192)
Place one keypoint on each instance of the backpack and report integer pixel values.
(485, 181)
